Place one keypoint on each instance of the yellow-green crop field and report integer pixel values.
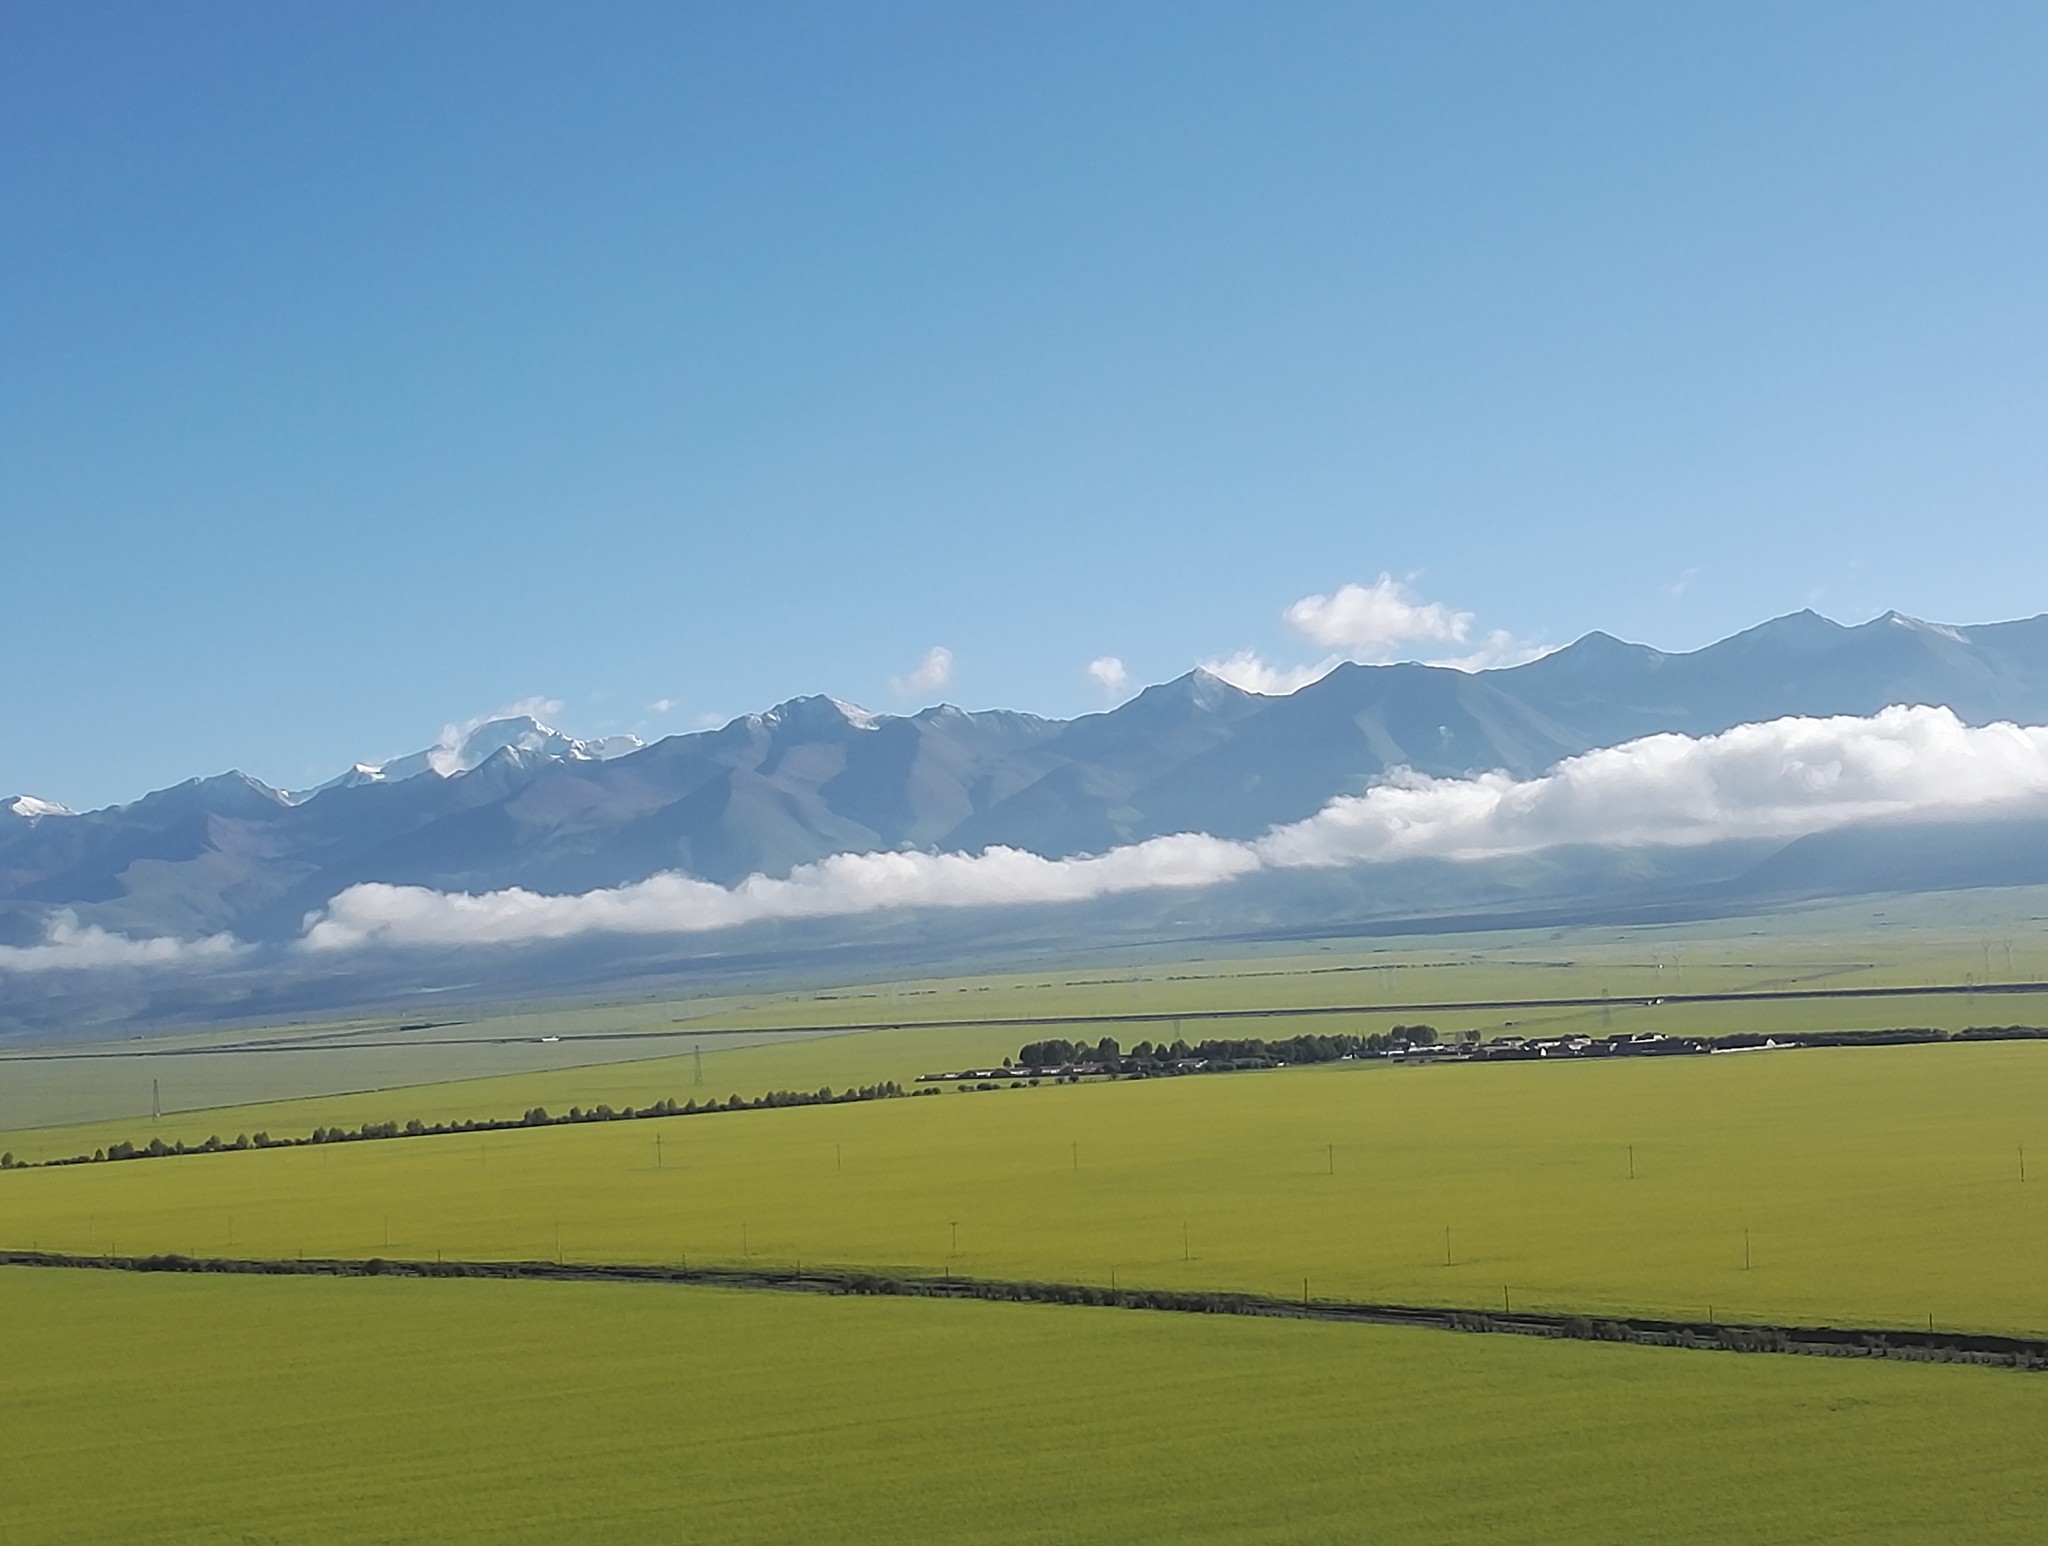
(495, 1061)
(1865, 1186)
(378, 1410)
(1854, 1187)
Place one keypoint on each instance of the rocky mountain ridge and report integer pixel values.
(814, 776)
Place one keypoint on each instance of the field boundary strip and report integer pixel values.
(1910, 1344)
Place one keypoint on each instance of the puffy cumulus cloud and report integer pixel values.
(1779, 780)
(68, 944)
(932, 674)
(1254, 673)
(1110, 674)
(836, 887)
(1373, 619)
(1373, 624)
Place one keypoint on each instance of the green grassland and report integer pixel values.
(498, 1060)
(304, 1410)
(1868, 1186)
(747, 1065)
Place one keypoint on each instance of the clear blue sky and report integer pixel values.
(365, 367)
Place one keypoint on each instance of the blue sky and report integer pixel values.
(371, 367)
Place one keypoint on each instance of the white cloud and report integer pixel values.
(933, 674)
(68, 944)
(445, 755)
(1497, 651)
(1370, 624)
(664, 705)
(1252, 672)
(841, 885)
(1110, 675)
(1372, 619)
(1778, 780)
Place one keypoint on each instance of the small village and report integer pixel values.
(1408, 1045)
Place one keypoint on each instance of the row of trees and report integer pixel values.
(1897, 1036)
(1224, 1053)
(537, 1116)
(1252, 1051)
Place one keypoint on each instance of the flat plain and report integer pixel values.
(1853, 1187)
(456, 1061)
(1848, 1186)
(300, 1410)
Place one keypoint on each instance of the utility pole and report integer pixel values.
(156, 1101)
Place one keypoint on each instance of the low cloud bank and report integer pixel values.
(836, 887)
(1782, 779)
(68, 944)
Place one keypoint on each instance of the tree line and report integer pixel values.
(1223, 1055)
(1235, 1051)
(537, 1116)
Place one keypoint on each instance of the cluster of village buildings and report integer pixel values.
(1510, 1049)
(1498, 1049)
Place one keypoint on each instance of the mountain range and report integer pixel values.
(516, 803)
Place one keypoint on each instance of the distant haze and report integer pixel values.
(1783, 779)
(511, 832)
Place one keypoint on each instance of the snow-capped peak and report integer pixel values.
(463, 748)
(1921, 625)
(817, 713)
(29, 808)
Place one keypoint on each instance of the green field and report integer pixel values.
(1858, 1187)
(484, 1061)
(315, 1410)
(1867, 1186)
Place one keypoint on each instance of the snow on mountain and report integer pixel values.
(460, 751)
(818, 714)
(29, 808)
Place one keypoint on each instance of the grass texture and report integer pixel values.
(1858, 1187)
(297, 1411)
